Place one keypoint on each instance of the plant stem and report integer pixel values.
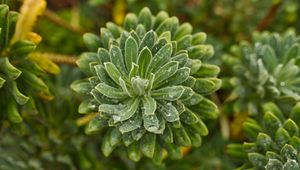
(267, 20)
(61, 59)
(59, 21)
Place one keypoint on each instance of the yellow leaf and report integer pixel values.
(86, 119)
(119, 11)
(185, 150)
(34, 37)
(236, 126)
(29, 12)
(44, 62)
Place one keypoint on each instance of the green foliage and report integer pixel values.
(148, 82)
(266, 70)
(19, 77)
(274, 141)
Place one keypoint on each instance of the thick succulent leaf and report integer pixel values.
(149, 105)
(200, 51)
(91, 41)
(134, 71)
(115, 137)
(22, 48)
(265, 142)
(85, 59)
(184, 29)
(169, 112)
(13, 113)
(128, 111)
(106, 37)
(104, 55)
(151, 123)
(291, 127)
(257, 160)
(148, 40)
(117, 59)
(34, 81)
(200, 127)
(206, 86)
(111, 92)
(134, 152)
(206, 109)
(140, 31)
(169, 24)
(131, 124)
(139, 85)
(167, 136)
(11, 71)
(158, 45)
(160, 58)
(274, 164)
(123, 85)
(271, 122)
(193, 100)
(130, 22)
(184, 42)
(127, 139)
(148, 143)
(171, 93)
(106, 146)
(113, 72)
(160, 17)
(182, 58)
(195, 137)
(103, 76)
(114, 29)
(179, 77)
(131, 52)
(207, 70)
(18, 96)
(95, 125)
(189, 117)
(181, 137)
(144, 59)
(199, 38)
(165, 72)
(269, 57)
(282, 137)
(291, 165)
(145, 18)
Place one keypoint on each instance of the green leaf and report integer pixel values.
(169, 24)
(258, 160)
(104, 55)
(145, 18)
(282, 137)
(114, 29)
(199, 38)
(151, 123)
(95, 125)
(22, 48)
(148, 143)
(103, 76)
(148, 40)
(182, 58)
(271, 122)
(206, 109)
(169, 112)
(160, 58)
(86, 58)
(13, 113)
(184, 42)
(11, 71)
(207, 70)
(200, 127)
(124, 88)
(167, 136)
(106, 37)
(193, 100)
(127, 139)
(140, 31)
(295, 113)
(128, 111)
(2, 81)
(131, 124)
(149, 105)
(34, 81)
(165, 72)
(291, 165)
(160, 17)
(265, 142)
(168, 93)
(115, 137)
(112, 71)
(134, 152)
(144, 60)
(18, 96)
(274, 164)
(201, 52)
(206, 86)
(289, 152)
(196, 64)
(269, 57)
(106, 147)
(188, 117)
(181, 137)
(131, 52)
(117, 59)
(130, 22)
(111, 92)
(184, 29)
(178, 78)
(91, 41)
(158, 45)
(291, 127)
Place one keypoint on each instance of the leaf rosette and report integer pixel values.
(148, 81)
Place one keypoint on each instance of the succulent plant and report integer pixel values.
(267, 70)
(148, 82)
(274, 142)
(19, 76)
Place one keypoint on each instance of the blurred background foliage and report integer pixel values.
(54, 137)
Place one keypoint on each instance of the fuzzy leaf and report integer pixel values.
(168, 93)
